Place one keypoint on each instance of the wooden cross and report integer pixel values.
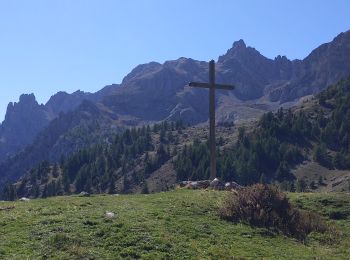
(212, 86)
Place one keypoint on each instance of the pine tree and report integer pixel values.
(44, 193)
(111, 188)
(145, 189)
(301, 185)
(55, 171)
(9, 192)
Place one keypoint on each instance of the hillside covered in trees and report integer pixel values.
(319, 130)
(316, 131)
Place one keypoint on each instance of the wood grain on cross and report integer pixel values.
(212, 86)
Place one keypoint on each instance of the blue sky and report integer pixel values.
(48, 46)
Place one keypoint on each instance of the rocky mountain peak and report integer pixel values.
(28, 99)
(27, 102)
(281, 58)
(64, 102)
(344, 36)
(239, 45)
(141, 70)
(23, 120)
(322, 67)
(240, 53)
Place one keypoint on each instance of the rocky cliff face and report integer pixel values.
(22, 123)
(156, 91)
(25, 119)
(250, 71)
(65, 134)
(64, 102)
(324, 66)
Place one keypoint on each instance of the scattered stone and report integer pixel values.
(192, 185)
(24, 199)
(215, 183)
(84, 194)
(184, 183)
(246, 235)
(232, 186)
(195, 184)
(203, 184)
(7, 208)
(109, 214)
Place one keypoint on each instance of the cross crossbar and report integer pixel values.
(207, 85)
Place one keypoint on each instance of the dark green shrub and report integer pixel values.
(338, 214)
(265, 206)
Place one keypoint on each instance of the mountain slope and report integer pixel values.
(22, 123)
(154, 92)
(154, 159)
(67, 133)
(324, 66)
(26, 119)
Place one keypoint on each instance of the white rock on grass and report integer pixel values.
(215, 182)
(24, 199)
(109, 214)
(84, 194)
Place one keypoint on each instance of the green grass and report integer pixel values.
(179, 224)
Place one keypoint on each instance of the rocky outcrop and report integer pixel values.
(64, 102)
(69, 132)
(155, 91)
(23, 121)
(324, 66)
(250, 71)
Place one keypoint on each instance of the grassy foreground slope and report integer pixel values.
(177, 224)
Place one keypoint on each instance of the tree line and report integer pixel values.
(267, 154)
(281, 141)
(118, 166)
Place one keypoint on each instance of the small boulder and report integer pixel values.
(203, 184)
(192, 185)
(184, 183)
(109, 214)
(215, 183)
(236, 186)
(228, 186)
(24, 199)
(84, 194)
(232, 186)
(7, 208)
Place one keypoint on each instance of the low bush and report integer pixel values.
(338, 214)
(265, 206)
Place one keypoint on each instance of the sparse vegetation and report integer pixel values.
(266, 153)
(280, 142)
(121, 166)
(265, 206)
(176, 224)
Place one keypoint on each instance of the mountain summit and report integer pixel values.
(22, 123)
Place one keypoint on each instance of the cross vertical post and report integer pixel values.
(212, 141)
(212, 86)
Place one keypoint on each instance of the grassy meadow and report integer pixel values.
(179, 224)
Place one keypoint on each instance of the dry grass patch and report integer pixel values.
(265, 206)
